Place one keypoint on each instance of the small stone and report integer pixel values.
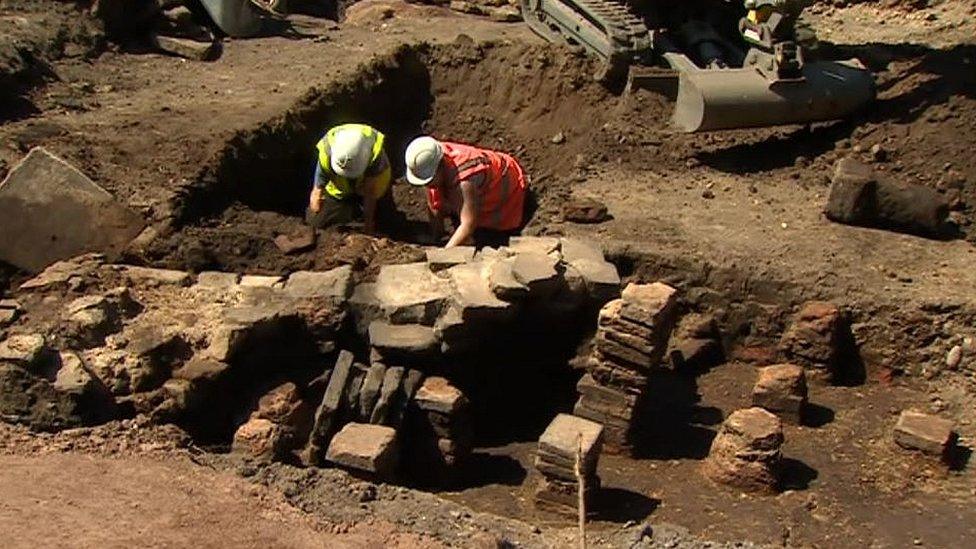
(954, 357)
(436, 394)
(443, 258)
(282, 405)
(782, 390)
(8, 317)
(746, 453)
(586, 211)
(260, 439)
(878, 154)
(708, 194)
(186, 48)
(366, 448)
(29, 351)
(558, 139)
(296, 242)
(217, 280)
(924, 432)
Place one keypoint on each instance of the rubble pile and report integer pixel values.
(504, 11)
(631, 339)
(568, 441)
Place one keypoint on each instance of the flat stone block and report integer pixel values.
(367, 448)
(410, 293)
(217, 280)
(436, 394)
(924, 432)
(442, 258)
(568, 435)
(260, 281)
(403, 338)
(335, 284)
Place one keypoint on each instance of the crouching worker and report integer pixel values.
(479, 188)
(352, 178)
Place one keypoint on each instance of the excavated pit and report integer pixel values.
(518, 98)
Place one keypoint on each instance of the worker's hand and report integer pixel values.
(315, 200)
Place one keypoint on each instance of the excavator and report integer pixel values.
(726, 65)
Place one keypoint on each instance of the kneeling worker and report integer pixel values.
(352, 173)
(482, 189)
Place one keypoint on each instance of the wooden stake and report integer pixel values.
(581, 489)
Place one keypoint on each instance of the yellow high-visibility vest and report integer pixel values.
(339, 187)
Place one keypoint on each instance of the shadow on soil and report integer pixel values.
(796, 475)
(619, 505)
(680, 427)
(815, 415)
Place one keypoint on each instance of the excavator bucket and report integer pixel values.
(718, 99)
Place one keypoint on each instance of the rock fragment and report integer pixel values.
(365, 448)
(925, 433)
(746, 453)
(782, 390)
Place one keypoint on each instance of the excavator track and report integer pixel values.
(606, 28)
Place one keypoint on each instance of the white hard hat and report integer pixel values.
(350, 153)
(423, 157)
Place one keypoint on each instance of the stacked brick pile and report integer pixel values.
(631, 340)
(566, 440)
(440, 430)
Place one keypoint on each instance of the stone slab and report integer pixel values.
(410, 293)
(924, 432)
(156, 277)
(543, 245)
(567, 435)
(443, 258)
(473, 295)
(402, 338)
(503, 283)
(326, 415)
(334, 284)
(50, 211)
(260, 281)
(217, 280)
(537, 271)
(369, 393)
(368, 448)
(389, 394)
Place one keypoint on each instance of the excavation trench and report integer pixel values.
(510, 97)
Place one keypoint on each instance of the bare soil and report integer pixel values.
(217, 156)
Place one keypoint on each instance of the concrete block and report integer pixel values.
(50, 211)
